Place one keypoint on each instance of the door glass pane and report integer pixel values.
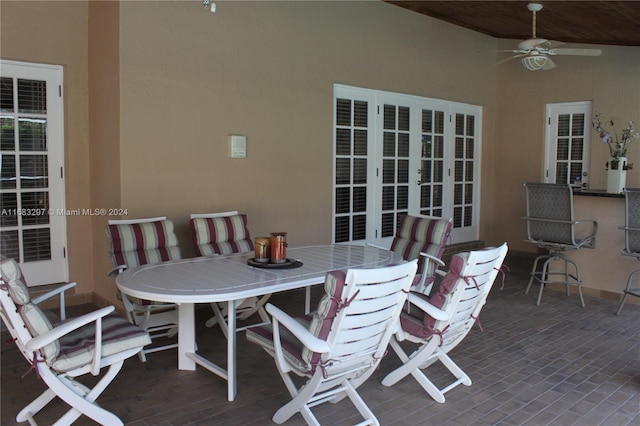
(343, 141)
(360, 138)
(32, 96)
(33, 171)
(8, 172)
(7, 136)
(6, 94)
(32, 134)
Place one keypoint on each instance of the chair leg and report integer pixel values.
(629, 291)
(412, 366)
(533, 272)
(76, 395)
(543, 276)
(298, 402)
(361, 406)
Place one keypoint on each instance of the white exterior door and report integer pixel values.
(32, 202)
(398, 154)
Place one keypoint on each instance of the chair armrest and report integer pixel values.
(428, 308)
(432, 258)
(309, 340)
(628, 228)
(113, 272)
(589, 241)
(67, 327)
(57, 291)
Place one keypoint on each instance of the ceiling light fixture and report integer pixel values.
(534, 62)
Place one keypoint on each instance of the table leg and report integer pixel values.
(307, 300)
(232, 387)
(186, 336)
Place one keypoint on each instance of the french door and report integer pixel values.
(397, 154)
(32, 202)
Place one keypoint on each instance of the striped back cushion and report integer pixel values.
(420, 234)
(142, 243)
(323, 317)
(221, 235)
(12, 275)
(34, 319)
(419, 324)
(319, 323)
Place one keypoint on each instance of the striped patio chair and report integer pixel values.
(139, 242)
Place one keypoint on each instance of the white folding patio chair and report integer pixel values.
(338, 346)
(226, 233)
(440, 323)
(134, 242)
(62, 353)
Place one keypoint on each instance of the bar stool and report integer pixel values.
(551, 226)
(631, 239)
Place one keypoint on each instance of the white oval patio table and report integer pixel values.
(228, 278)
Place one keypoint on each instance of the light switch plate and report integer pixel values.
(237, 146)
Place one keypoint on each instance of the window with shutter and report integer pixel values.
(567, 144)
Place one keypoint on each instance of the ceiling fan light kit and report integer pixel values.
(535, 52)
(535, 62)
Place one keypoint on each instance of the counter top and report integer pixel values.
(597, 193)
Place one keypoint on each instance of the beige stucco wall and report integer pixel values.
(154, 88)
(266, 70)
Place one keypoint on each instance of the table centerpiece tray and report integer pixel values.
(287, 264)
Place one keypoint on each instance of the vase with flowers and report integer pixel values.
(618, 143)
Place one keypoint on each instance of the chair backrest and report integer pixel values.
(632, 220)
(462, 294)
(421, 234)
(547, 203)
(135, 242)
(357, 317)
(220, 233)
(26, 321)
(23, 319)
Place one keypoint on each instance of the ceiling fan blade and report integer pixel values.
(576, 52)
(509, 59)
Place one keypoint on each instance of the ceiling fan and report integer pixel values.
(535, 52)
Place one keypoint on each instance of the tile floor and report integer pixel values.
(554, 364)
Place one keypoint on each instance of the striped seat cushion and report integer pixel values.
(142, 243)
(318, 323)
(221, 235)
(77, 348)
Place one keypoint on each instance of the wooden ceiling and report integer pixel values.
(593, 22)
